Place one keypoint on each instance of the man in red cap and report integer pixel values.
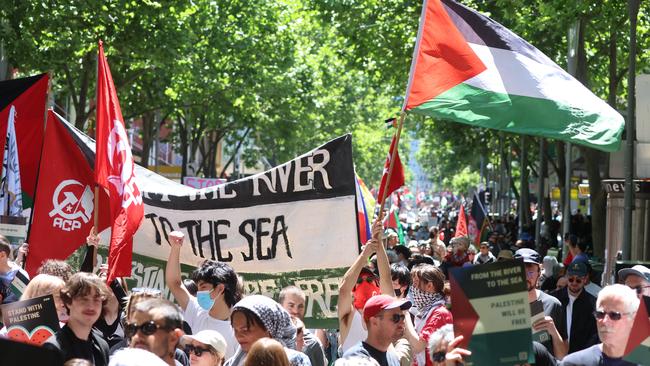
(384, 317)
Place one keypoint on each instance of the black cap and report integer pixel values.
(577, 269)
(528, 255)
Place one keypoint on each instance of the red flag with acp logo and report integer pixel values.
(114, 171)
(64, 199)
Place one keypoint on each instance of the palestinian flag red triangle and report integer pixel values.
(638, 344)
(462, 324)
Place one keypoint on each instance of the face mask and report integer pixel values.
(363, 292)
(398, 292)
(204, 299)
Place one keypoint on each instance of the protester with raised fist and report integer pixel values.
(218, 291)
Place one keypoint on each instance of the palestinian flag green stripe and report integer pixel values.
(491, 347)
(520, 114)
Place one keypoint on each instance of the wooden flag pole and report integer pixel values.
(402, 117)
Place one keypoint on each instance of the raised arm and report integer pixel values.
(90, 260)
(383, 265)
(173, 270)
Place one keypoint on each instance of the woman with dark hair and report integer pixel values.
(427, 291)
(258, 316)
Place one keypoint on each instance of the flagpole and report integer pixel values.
(96, 198)
(402, 117)
(38, 172)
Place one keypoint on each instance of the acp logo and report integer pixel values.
(72, 204)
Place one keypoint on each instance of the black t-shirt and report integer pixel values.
(593, 356)
(95, 349)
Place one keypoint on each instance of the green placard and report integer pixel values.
(491, 310)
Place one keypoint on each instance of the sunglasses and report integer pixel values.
(198, 351)
(575, 279)
(367, 279)
(147, 328)
(396, 318)
(439, 356)
(613, 315)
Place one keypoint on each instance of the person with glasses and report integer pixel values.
(616, 308)
(83, 295)
(218, 290)
(553, 313)
(155, 325)
(206, 348)
(384, 318)
(138, 295)
(578, 305)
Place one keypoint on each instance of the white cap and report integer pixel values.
(208, 337)
(134, 357)
(638, 270)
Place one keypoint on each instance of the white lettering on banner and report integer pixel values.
(72, 202)
(320, 294)
(266, 287)
(270, 178)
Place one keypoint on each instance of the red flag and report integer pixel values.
(397, 178)
(390, 221)
(114, 171)
(461, 225)
(64, 204)
(29, 96)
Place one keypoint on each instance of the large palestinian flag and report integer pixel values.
(468, 68)
(28, 97)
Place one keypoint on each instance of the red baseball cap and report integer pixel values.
(378, 303)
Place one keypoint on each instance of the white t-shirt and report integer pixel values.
(199, 320)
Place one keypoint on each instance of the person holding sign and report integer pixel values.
(83, 296)
(218, 292)
(552, 308)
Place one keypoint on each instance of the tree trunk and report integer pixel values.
(592, 157)
(84, 86)
(148, 121)
(524, 198)
(598, 200)
(182, 133)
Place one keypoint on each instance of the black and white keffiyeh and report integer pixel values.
(276, 320)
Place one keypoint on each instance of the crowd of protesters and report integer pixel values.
(394, 306)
